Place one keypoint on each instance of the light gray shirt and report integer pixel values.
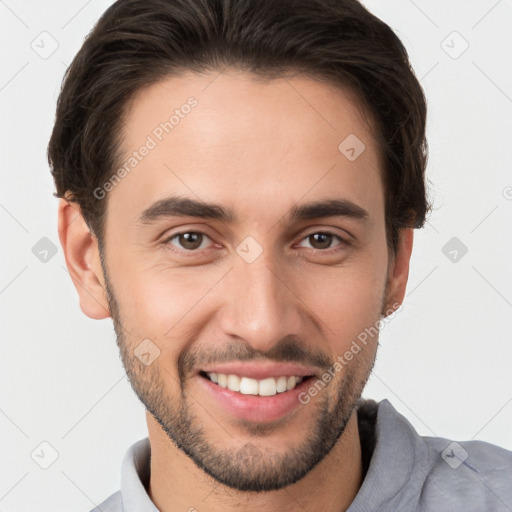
(407, 473)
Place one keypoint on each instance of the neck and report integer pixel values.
(176, 483)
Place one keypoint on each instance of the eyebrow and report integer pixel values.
(183, 206)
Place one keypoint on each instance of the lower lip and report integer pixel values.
(254, 407)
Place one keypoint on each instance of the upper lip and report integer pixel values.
(260, 371)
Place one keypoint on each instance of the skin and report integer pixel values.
(259, 148)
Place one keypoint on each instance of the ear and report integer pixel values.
(398, 272)
(83, 260)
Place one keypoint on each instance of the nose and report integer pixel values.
(261, 305)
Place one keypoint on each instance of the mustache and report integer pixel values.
(286, 350)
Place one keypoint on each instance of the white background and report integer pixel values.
(445, 359)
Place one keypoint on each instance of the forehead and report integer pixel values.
(239, 139)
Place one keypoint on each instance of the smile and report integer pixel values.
(263, 399)
(248, 386)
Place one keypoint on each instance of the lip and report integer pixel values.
(254, 407)
(260, 371)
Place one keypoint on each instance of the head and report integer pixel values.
(239, 182)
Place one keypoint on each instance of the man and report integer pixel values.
(239, 182)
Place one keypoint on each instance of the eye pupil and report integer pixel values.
(191, 240)
(325, 240)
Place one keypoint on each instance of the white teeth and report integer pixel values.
(268, 387)
(233, 382)
(281, 384)
(222, 380)
(248, 386)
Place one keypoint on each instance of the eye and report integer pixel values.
(188, 240)
(323, 240)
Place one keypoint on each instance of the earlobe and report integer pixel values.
(399, 272)
(82, 260)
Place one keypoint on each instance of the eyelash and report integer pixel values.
(342, 242)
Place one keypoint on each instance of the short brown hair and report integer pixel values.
(137, 43)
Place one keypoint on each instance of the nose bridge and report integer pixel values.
(260, 306)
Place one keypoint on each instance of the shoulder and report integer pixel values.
(113, 503)
(414, 473)
(475, 474)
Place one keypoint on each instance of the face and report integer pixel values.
(264, 290)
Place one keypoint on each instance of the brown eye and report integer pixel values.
(189, 240)
(323, 240)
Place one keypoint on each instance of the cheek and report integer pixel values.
(349, 304)
(346, 299)
(164, 305)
